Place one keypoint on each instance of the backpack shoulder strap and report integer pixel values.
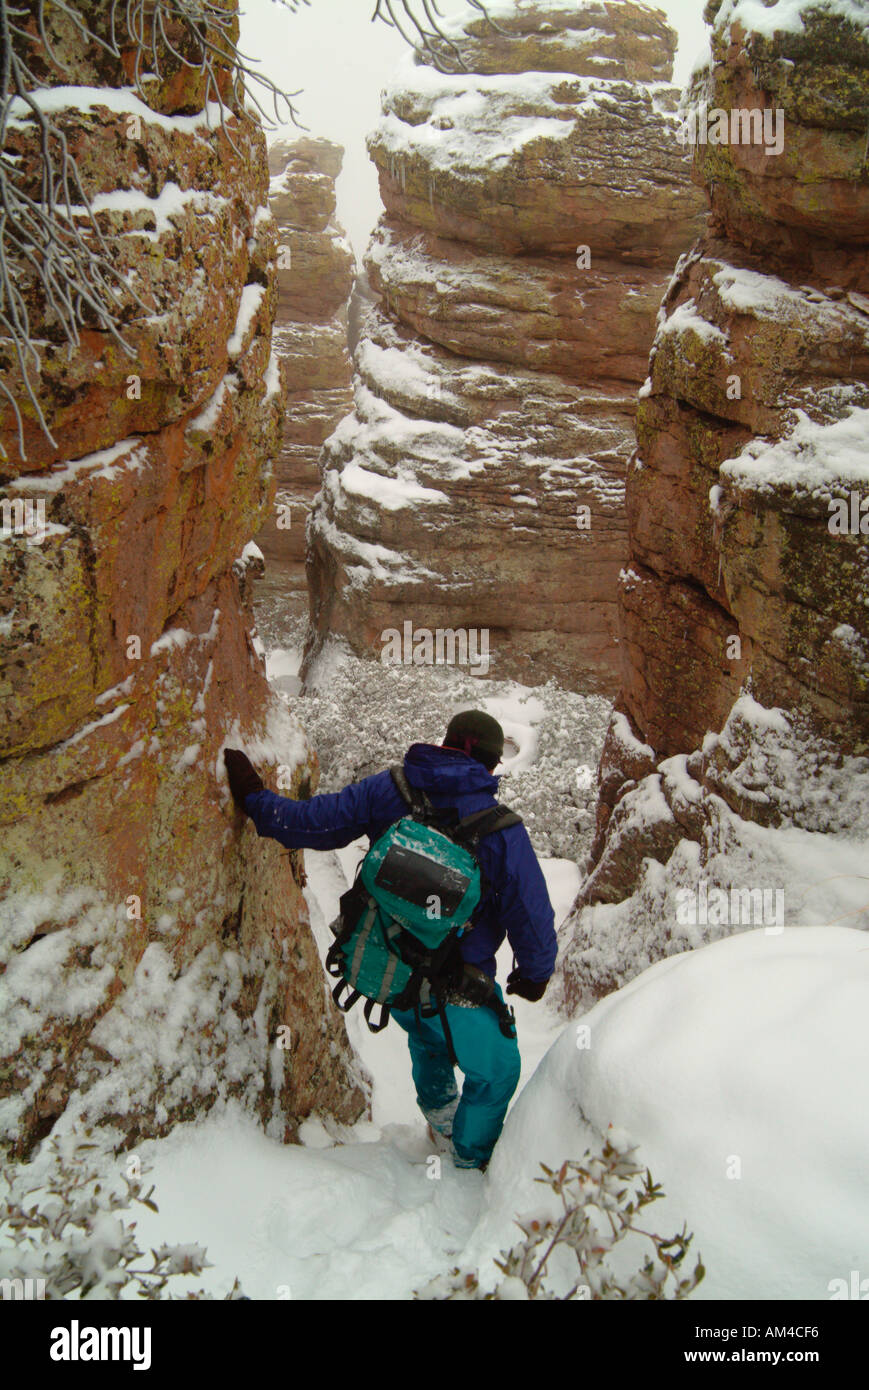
(476, 826)
(415, 799)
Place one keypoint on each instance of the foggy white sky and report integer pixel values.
(342, 61)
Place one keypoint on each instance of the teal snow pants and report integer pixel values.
(490, 1063)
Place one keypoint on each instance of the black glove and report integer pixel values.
(243, 776)
(526, 989)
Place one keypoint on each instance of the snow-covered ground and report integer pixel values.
(362, 1217)
(735, 1067)
(358, 1213)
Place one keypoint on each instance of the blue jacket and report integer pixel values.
(517, 901)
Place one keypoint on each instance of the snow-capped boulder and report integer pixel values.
(732, 1069)
(591, 38)
(538, 161)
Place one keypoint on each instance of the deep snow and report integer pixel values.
(735, 1067)
(730, 1066)
(360, 1218)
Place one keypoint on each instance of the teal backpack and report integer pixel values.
(414, 896)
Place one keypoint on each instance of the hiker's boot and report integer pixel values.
(459, 1162)
(441, 1143)
(440, 1118)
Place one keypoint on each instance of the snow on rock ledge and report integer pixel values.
(496, 376)
(748, 514)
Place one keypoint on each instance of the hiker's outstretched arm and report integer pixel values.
(526, 912)
(329, 821)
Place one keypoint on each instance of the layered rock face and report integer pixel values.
(535, 207)
(154, 955)
(315, 271)
(738, 752)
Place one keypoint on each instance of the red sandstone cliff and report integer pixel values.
(151, 948)
(738, 752)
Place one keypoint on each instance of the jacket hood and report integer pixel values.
(446, 771)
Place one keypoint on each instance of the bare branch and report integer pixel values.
(53, 241)
(433, 43)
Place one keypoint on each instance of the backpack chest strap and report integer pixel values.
(473, 828)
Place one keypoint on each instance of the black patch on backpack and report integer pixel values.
(416, 878)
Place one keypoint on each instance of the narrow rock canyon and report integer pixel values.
(315, 272)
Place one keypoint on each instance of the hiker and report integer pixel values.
(475, 1024)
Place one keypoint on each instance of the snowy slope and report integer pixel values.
(731, 1066)
(734, 1069)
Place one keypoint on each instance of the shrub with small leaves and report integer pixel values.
(66, 1236)
(600, 1200)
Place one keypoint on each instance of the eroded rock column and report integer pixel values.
(535, 207)
(315, 271)
(737, 757)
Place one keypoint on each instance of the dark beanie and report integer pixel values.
(477, 734)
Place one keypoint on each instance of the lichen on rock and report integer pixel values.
(743, 607)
